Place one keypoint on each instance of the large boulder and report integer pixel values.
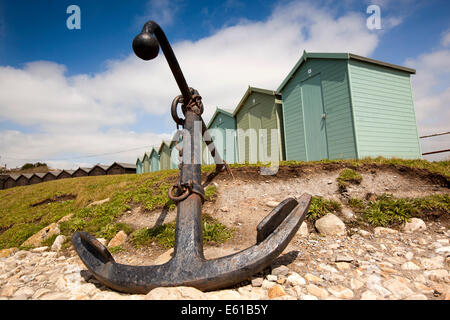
(118, 240)
(414, 225)
(330, 225)
(45, 233)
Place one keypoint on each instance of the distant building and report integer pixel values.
(121, 168)
(98, 170)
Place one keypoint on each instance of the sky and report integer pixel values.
(77, 97)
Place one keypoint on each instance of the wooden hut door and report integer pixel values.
(256, 124)
(314, 119)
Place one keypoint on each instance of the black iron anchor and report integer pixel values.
(188, 266)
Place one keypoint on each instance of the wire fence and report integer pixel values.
(435, 135)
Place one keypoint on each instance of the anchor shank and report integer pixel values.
(188, 232)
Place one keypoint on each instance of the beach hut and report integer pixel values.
(259, 126)
(222, 129)
(81, 172)
(164, 155)
(341, 106)
(98, 170)
(51, 175)
(64, 174)
(154, 160)
(10, 182)
(139, 166)
(23, 179)
(146, 163)
(121, 168)
(37, 177)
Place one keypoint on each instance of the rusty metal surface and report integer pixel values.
(188, 266)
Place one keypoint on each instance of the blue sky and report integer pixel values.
(56, 77)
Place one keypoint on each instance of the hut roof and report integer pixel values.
(341, 55)
(125, 165)
(247, 94)
(216, 113)
(164, 142)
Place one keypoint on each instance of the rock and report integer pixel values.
(303, 230)
(347, 213)
(343, 265)
(39, 293)
(364, 233)
(423, 288)
(343, 258)
(330, 225)
(443, 250)
(341, 292)
(25, 292)
(175, 293)
(8, 252)
(266, 284)
(42, 235)
(295, 280)
(7, 291)
(308, 297)
(40, 249)
(414, 225)
(57, 244)
(410, 266)
(374, 284)
(102, 241)
(96, 203)
(417, 297)
(409, 255)
(55, 296)
(272, 204)
(166, 256)
(65, 218)
(313, 278)
(437, 275)
(280, 271)
(355, 284)
(276, 291)
(271, 277)
(398, 288)
(257, 282)
(369, 295)
(118, 240)
(382, 231)
(320, 293)
(222, 295)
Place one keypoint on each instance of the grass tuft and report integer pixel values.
(320, 207)
(348, 176)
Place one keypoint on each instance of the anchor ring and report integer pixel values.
(181, 197)
(173, 110)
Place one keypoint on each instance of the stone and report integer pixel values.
(57, 244)
(409, 255)
(330, 225)
(295, 280)
(102, 241)
(374, 284)
(343, 265)
(410, 266)
(343, 258)
(280, 271)
(65, 218)
(414, 225)
(257, 282)
(118, 240)
(222, 295)
(26, 292)
(383, 231)
(437, 275)
(341, 292)
(369, 295)
(355, 284)
(271, 277)
(423, 288)
(398, 288)
(308, 297)
(417, 297)
(347, 213)
(276, 291)
(443, 250)
(175, 293)
(8, 291)
(39, 293)
(312, 278)
(266, 284)
(166, 256)
(364, 233)
(42, 235)
(303, 230)
(99, 202)
(55, 296)
(8, 252)
(40, 249)
(272, 204)
(319, 292)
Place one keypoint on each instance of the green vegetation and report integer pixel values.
(116, 249)
(33, 165)
(387, 210)
(164, 235)
(348, 176)
(320, 207)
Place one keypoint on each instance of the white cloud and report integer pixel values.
(431, 91)
(72, 112)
